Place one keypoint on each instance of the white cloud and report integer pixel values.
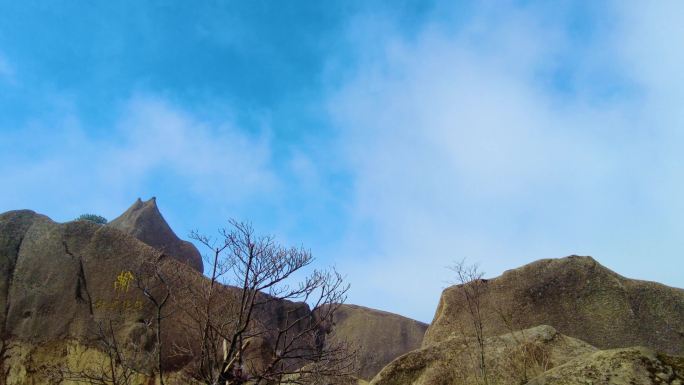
(649, 41)
(52, 164)
(456, 140)
(462, 149)
(216, 159)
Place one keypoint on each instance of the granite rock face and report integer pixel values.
(378, 336)
(57, 280)
(577, 296)
(54, 276)
(144, 221)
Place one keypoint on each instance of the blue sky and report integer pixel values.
(391, 138)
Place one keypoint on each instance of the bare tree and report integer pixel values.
(152, 281)
(228, 327)
(119, 363)
(524, 357)
(250, 321)
(471, 286)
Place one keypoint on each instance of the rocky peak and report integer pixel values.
(144, 221)
(576, 295)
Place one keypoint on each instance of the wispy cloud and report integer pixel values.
(213, 158)
(464, 144)
(52, 164)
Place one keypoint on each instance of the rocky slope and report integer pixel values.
(54, 275)
(58, 279)
(512, 358)
(144, 221)
(626, 366)
(379, 337)
(535, 356)
(577, 296)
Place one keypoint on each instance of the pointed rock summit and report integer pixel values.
(144, 221)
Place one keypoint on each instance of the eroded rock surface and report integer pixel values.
(57, 276)
(577, 296)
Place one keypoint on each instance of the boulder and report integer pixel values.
(378, 337)
(511, 358)
(13, 227)
(627, 366)
(59, 279)
(577, 296)
(144, 221)
(56, 276)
